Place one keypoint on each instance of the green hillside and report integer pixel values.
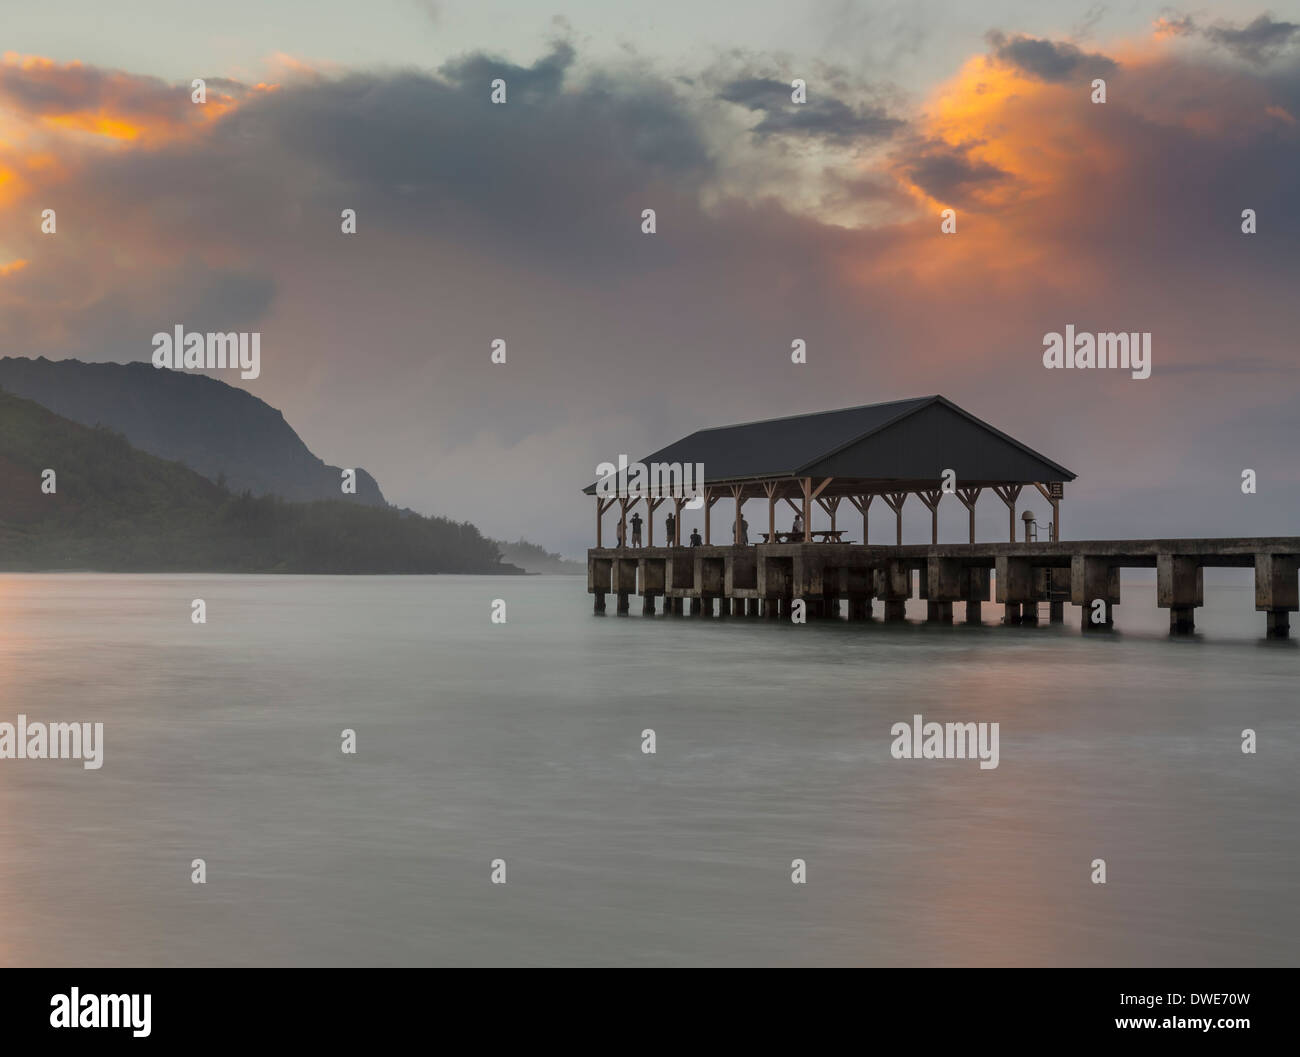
(119, 509)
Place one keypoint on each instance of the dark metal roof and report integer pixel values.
(900, 441)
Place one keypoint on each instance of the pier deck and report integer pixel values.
(766, 579)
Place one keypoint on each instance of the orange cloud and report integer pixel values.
(107, 106)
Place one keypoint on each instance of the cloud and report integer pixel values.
(1257, 42)
(106, 103)
(821, 117)
(1047, 60)
(522, 221)
(948, 172)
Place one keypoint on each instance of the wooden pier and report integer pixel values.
(845, 580)
(926, 447)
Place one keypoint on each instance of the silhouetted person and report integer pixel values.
(695, 538)
(796, 530)
(671, 523)
(636, 529)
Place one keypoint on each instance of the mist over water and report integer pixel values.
(522, 742)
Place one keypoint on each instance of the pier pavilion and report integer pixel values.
(927, 447)
(891, 451)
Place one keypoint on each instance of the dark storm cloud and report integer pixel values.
(949, 173)
(1257, 42)
(821, 117)
(1045, 59)
(534, 84)
(550, 167)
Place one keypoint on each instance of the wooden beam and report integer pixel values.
(830, 504)
(709, 499)
(931, 498)
(896, 501)
(1056, 509)
(1009, 493)
(621, 538)
(651, 506)
(969, 497)
(770, 488)
(863, 503)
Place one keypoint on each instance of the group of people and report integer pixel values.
(671, 524)
(740, 533)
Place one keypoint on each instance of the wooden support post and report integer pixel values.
(737, 491)
(1055, 501)
(830, 504)
(710, 497)
(863, 503)
(601, 506)
(770, 488)
(969, 497)
(931, 500)
(651, 506)
(1009, 493)
(809, 494)
(896, 501)
(678, 503)
(620, 538)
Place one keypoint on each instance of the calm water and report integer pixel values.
(522, 742)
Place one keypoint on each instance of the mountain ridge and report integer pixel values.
(218, 430)
(74, 498)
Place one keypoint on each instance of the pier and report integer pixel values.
(1027, 580)
(926, 447)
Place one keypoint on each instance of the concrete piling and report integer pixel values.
(764, 580)
(1180, 588)
(1094, 586)
(1277, 590)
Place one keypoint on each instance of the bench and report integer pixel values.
(821, 535)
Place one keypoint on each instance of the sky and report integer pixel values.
(775, 221)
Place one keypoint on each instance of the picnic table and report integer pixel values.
(821, 535)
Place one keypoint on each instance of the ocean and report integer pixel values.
(520, 744)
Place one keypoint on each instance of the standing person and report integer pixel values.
(796, 530)
(670, 522)
(695, 538)
(636, 529)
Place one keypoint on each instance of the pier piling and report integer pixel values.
(765, 579)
